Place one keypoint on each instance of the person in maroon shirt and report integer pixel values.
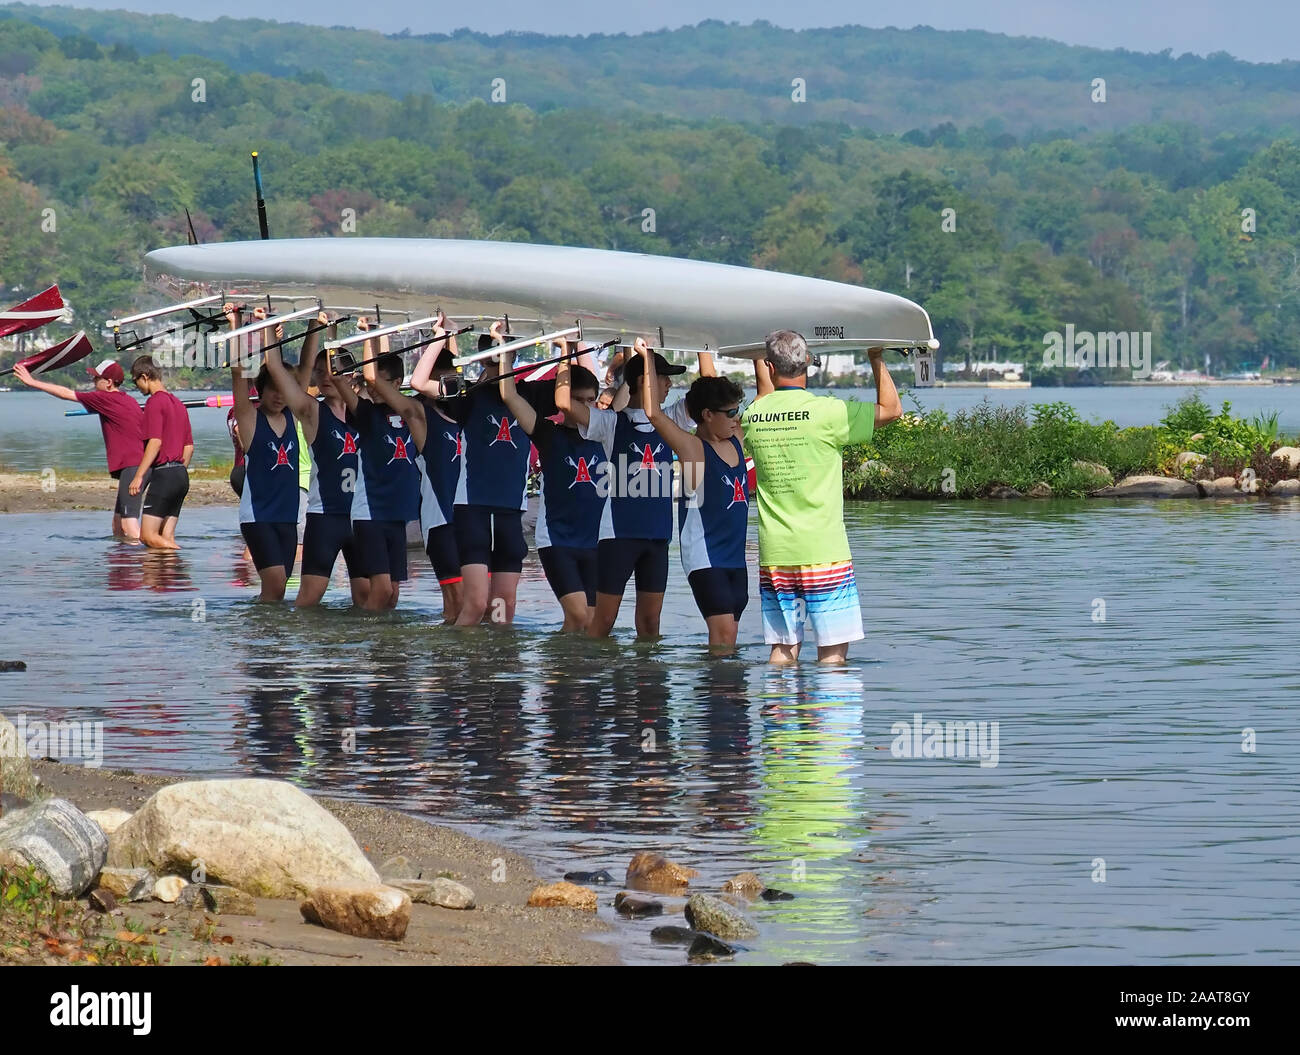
(169, 446)
(122, 422)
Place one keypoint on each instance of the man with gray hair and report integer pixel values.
(805, 573)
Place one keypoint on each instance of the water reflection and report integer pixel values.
(135, 568)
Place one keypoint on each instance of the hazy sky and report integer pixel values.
(1258, 30)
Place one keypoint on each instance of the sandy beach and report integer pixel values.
(501, 929)
(74, 491)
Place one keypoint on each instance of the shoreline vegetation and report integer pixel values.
(1047, 451)
(1026, 451)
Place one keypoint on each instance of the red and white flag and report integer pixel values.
(31, 314)
(57, 356)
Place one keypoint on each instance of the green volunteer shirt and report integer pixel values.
(795, 440)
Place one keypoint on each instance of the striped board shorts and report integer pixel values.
(823, 597)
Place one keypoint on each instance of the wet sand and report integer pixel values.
(501, 929)
(25, 493)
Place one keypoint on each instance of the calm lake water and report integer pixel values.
(1119, 741)
(34, 433)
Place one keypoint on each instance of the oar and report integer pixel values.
(399, 351)
(210, 401)
(530, 367)
(261, 201)
(57, 356)
(32, 313)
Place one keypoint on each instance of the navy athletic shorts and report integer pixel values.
(381, 548)
(570, 570)
(271, 543)
(165, 492)
(618, 559)
(325, 537)
(443, 553)
(720, 591)
(128, 505)
(491, 536)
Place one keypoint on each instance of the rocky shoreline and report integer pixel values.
(146, 886)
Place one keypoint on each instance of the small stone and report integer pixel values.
(772, 894)
(747, 883)
(109, 820)
(590, 878)
(1001, 491)
(673, 935)
(652, 871)
(563, 895)
(1042, 489)
(397, 868)
(1285, 489)
(102, 900)
(713, 915)
(168, 889)
(1099, 472)
(12, 665)
(635, 906)
(1222, 487)
(707, 947)
(219, 899)
(442, 892)
(364, 910)
(128, 884)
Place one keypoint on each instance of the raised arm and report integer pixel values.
(60, 391)
(763, 377)
(245, 412)
(889, 407)
(708, 367)
(303, 406)
(411, 410)
(422, 376)
(311, 348)
(515, 403)
(688, 447)
(342, 385)
(578, 412)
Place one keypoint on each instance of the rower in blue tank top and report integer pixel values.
(638, 519)
(573, 493)
(268, 507)
(714, 505)
(490, 496)
(335, 463)
(392, 430)
(440, 460)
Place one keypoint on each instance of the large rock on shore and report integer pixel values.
(715, 916)
(16, 776)
(1290, 455)
(1148, 487)
(265, 837)
(57, 839)
(364, 910)
(1285, 489)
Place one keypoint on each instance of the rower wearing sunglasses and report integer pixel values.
(713, 508)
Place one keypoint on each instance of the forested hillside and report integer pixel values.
(889, 80)
(1142, 228)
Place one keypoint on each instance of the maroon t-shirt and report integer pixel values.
(122, 422)
(167, 420)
